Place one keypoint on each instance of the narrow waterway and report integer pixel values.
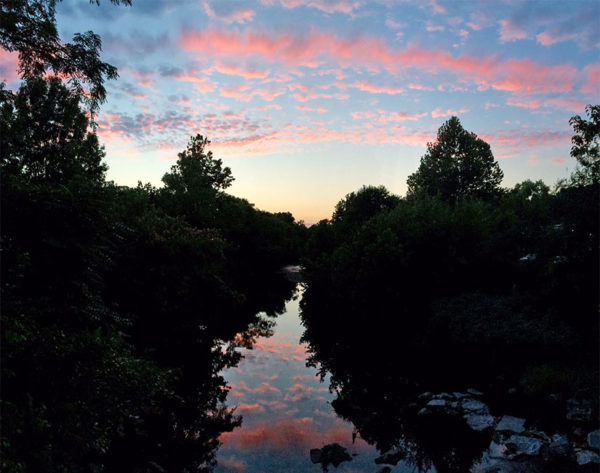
(285, 409)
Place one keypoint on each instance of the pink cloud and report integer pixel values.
(438, 112)
(435, 28)
(377, 89)
(242, 92)
(313, 48)
(201, 84)
(592, 85)
(9, 65)
(568, 104)
(561, 102)
(514, 102)
(244, 408)
(284, 434)
(548, 38)
(418, 87)
(510, 31)
(327, 6)
(143, 79)
(520, 137)
(238, 71)
(436, 7)
(311, 109)
(232, 463)
(267, 107)
(239, 15)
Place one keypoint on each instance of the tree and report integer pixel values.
(29, 27)
(195, 183)
(457, 165)
(357, 207)
(586, 145)
(45, 136)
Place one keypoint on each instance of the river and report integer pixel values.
(286, 409)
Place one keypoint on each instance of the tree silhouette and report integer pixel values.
(457, 165)
(29, 27)
(586, 145)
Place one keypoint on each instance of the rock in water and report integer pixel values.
(559, 446)
(476, 407)
(511, 424)
(585, 457)
(522, 445)
(593, 439)
(437, 403)
(480, 422)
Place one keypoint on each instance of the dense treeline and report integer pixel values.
(459, 284)
(120, 306)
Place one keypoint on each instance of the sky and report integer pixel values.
(308, 100)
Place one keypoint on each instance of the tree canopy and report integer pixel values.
(29, 27)
(586, 145)
(457, 165)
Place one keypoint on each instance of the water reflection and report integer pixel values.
(285, 407)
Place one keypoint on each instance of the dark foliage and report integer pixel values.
(456, 166)
(440, 294)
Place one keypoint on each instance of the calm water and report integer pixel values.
(286, 410)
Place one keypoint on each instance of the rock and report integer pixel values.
(445, 396)
(480, 422)
(558, 447)
(523, 445)
(425, 396)
(437, 403)
(585, 457)
(391, 458)
(579, 411)
(424, 412)
(315, 455)
(593, 439)
(460, 395)
(509, 466)
(511, 424)
(496, 450)
(385, 469)
(474, 392)
(476, 407)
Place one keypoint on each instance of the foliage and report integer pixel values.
(29, 27)
(358, 207)
(441, 294)
(586, 146)
(46, 137)
(456, 166)
(193, 188)
(333, 454)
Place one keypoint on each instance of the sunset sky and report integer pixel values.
(307, 100)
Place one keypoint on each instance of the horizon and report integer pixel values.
(308, 100)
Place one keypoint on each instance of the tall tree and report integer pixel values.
(195, 183)
(457, 165)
